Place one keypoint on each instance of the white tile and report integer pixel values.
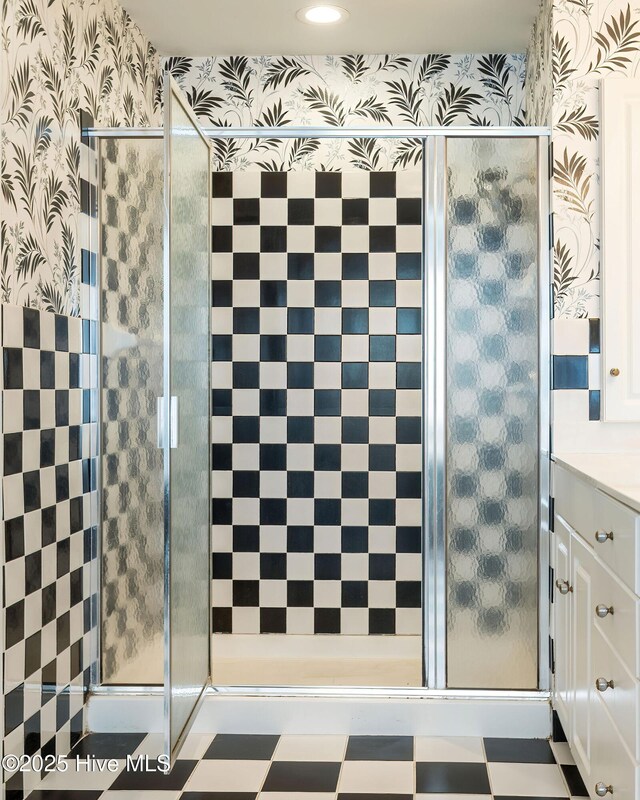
(450, 797)
(300, 620)
(522, 780)
(459, 748)
(570, 336)
(310, 748)
(377, 776)
(227, 776)
(273, 211)
(562, 752)
(328, 266)
(355, 239)
(298, 796)
(595, 370)
(12, 326)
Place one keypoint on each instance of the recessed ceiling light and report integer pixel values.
(322, 15)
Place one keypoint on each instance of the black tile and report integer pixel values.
(222, 184)
(594, 404)
(273, 294)
(408, 430)
(246, 320)
(452, 778)
(64, 794)
(246, 266)
(31, 489)
(300, 211)
(221, 238)
(33, 572)
(61, 332)
(221, 402)
(558, 734)
(14, 708)
(300, 594)
(382, 293)
(273, 184)
(408, 593)
(273, 620)
(14, 624)
(380, 748)
(14, 538)
(246, 429)
(326, 402)
(382, 184)
(408, 266)
(382, 566)
(382, 402)
(12, 362)
(48, 369)
(355, 266)
(273, 239)
(409, 375)
(246, 539)
(327, 512)
(221, 510)
(328, 348)
(300, 776)
(245, 594)
(221, 294)
(273, 566)
(218, 795)
(74, 370)
(328, 294)
(245, 375)
(372, 796)
(246, 211)
(409, 484)
(355, 375)
(519, 751)
(570, 372)
(62, 407)
(300, 320)
(300, 266)
(222, 622)
(148, 781)
(354, 539)
(327, 457)
(529, 797)
(300, 539)
(382, 621)
(355, 320)
(31, 327)
(273, 511)
(355, 484)
(12, 453)
(273, 347)
(248, 747)
(107, 745)
(355, 211)
(354, 594)
(246, 483)
(221, 347)
(382, 512)
(75, 443)
(88, 268)
(300, 483)
(300, 430)
(574, 780)
(328, 238)
(382, 457)
(355, 430)
(382, 348)
(326, 620)
(594, 335)
(300, 375)
(409, 211)
(273, 457)
(408, 539)
(409, 320)
(328, 184)
(382, 238)
(62, 482)
(273, 402)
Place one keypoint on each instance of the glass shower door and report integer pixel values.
(185, 417)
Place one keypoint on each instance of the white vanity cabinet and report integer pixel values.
(595, 625)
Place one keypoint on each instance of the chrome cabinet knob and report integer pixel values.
(603, 611)
(563, 587)
(602, 536)
(602, 790)
(602, 684)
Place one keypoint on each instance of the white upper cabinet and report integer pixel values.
(620, 157)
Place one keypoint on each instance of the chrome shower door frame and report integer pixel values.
(434, 386)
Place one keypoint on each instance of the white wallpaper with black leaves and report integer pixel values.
(58, 57)
(590, 40)
(349, 90)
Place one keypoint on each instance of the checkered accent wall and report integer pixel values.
(316, 376)
(49, 540)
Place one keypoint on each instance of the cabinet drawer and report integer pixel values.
(622, 699)
(622, 624)
(611, 764)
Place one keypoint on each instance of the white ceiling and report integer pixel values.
(270, 27)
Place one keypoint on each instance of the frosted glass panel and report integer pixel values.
(492, 413)
(187, 362)
(131, 213)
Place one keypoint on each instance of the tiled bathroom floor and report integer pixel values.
(246, 767)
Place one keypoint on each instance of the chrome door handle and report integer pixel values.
(602, 536)
(603, 611)
(563, 587)
(602, 684)
(602, 789)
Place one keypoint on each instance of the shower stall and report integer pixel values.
(323, 406)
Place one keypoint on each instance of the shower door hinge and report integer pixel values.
(173, 421)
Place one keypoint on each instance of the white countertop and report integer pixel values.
(616, 474)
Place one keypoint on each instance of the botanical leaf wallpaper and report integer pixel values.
(58, 57)
(351, 90)
(591, 40)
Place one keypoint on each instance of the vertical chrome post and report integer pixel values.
(544, 400)
(434, 410)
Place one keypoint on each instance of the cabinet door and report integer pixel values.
(561, 610)
(583, 676)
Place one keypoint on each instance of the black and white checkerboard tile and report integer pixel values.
(316, 378)
(48, 435)
(246, 767)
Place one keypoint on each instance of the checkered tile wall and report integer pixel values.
(49, 542)
(316, 381)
